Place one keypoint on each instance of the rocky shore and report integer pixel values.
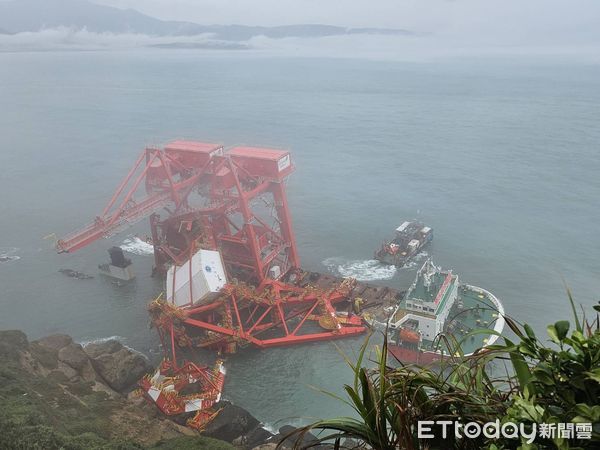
(59, 394)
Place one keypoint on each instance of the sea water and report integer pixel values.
(500, 157)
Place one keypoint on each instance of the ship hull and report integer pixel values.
(479, 304)
(410, 356)
(401, 260)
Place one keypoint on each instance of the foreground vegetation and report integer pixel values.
(530, 381)
(42, 409)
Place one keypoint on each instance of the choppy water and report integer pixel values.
(500, 157)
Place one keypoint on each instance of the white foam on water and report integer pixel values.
(101, 340)
(120, 339)
(416, 261)
(362, 270)
(137, 246)
(273, 427)
(7, 254)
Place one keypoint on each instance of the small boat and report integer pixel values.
(437, 304)
(411, 237)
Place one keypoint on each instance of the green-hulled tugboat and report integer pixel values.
(438, 303)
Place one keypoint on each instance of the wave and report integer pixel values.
(416, 261)
(362, 270)
(137, 246)
(120, 339)
(273, 427)
(101, 340)
(7, 254)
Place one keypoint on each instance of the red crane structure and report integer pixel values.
(199, 196)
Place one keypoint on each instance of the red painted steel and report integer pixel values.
(209, 195)
(234, 202)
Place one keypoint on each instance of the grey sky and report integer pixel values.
(520, 18)
(449, 27)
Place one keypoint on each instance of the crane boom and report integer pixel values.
(165, 175)
(113, 223)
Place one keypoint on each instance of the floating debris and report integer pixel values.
(75, 274)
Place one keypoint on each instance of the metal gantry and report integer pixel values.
(199, 196)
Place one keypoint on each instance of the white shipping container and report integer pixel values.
(402, 227)
(207, 277)
(413, 244)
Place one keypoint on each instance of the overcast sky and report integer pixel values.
(448, 26)
(484, 16)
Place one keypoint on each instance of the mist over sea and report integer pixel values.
(501, 156)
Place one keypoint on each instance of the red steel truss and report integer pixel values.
(234, 202)
(166, 387)
(272, 314)
(209, 197)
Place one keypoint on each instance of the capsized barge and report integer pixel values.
(438, 304)
(411, 237)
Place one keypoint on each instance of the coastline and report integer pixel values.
(58, 393)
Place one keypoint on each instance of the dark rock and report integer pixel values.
(75, 274)
(231, 423)
(74, 356)
(68, 371)
(12, 342)
(255, 437)
(287, 441)
(353, 444)
(45, 350)
(96, 349)
(287, 429)
(46, 356)
(55, 341)
(120, 369)
(268, 446)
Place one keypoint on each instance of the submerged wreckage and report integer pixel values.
(223, 239)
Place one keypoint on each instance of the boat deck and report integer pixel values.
(475, 308)
(478, 311)
(440, 282)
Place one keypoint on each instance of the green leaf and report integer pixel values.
(553, 333)
(575, 316)
(594, 374)
(514, 327)
(562, 328)
(529, 331)
(527, 350)
(543, 377)
(520, 366)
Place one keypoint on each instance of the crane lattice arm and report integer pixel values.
(166, 177)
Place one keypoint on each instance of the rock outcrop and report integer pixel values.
(231, 423)
(53, 397)
(119, 366)
(90, 389)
